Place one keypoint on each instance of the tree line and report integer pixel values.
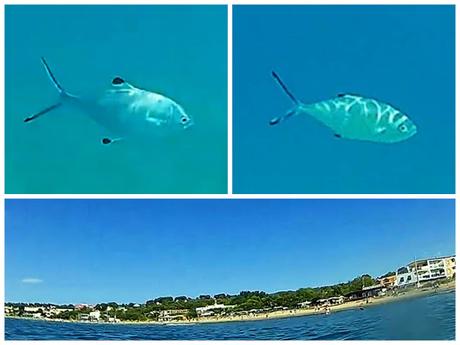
(244, 301)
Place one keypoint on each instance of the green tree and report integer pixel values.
(191, 314)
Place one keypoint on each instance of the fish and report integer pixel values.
(352, 116)
(123, 109)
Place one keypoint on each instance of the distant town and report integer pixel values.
(419, 275)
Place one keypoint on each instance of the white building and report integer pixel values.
(95, 315)
(57, 311)
(336, 300)
(33, 309)
(420, 271)
(210, 309)
(323, 302)
(83, 317)
(173, 314)
(305, 304)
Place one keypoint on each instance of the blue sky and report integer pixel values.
(76, 251)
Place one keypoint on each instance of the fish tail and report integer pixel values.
(54, 81)
(42, 112)
(285, 89)
(51, 76)
(62, 94)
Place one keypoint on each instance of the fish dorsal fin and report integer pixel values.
(117, 81)
(120, 85)
(340, 95)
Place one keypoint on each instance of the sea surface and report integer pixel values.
(423, 318)
(179, 51)
(404, 55)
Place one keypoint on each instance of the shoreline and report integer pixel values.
(359, 304)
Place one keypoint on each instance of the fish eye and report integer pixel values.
(403, 128)
(183, 119)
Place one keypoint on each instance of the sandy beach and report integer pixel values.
(359, 304)
(345, 306)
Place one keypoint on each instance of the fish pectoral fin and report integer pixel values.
(107, 141)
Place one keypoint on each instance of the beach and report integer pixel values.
(345, 306)
(358, 304)
(429, 317)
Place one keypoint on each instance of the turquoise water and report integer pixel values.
(425, 318)
(404, 55)
(180, 51)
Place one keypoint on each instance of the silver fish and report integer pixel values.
(354, 117)
(124, 110)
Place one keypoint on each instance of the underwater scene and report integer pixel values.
(344, 99)
(116, 99)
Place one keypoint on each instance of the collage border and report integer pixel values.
(229, 195)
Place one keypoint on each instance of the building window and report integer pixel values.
(402, 270)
